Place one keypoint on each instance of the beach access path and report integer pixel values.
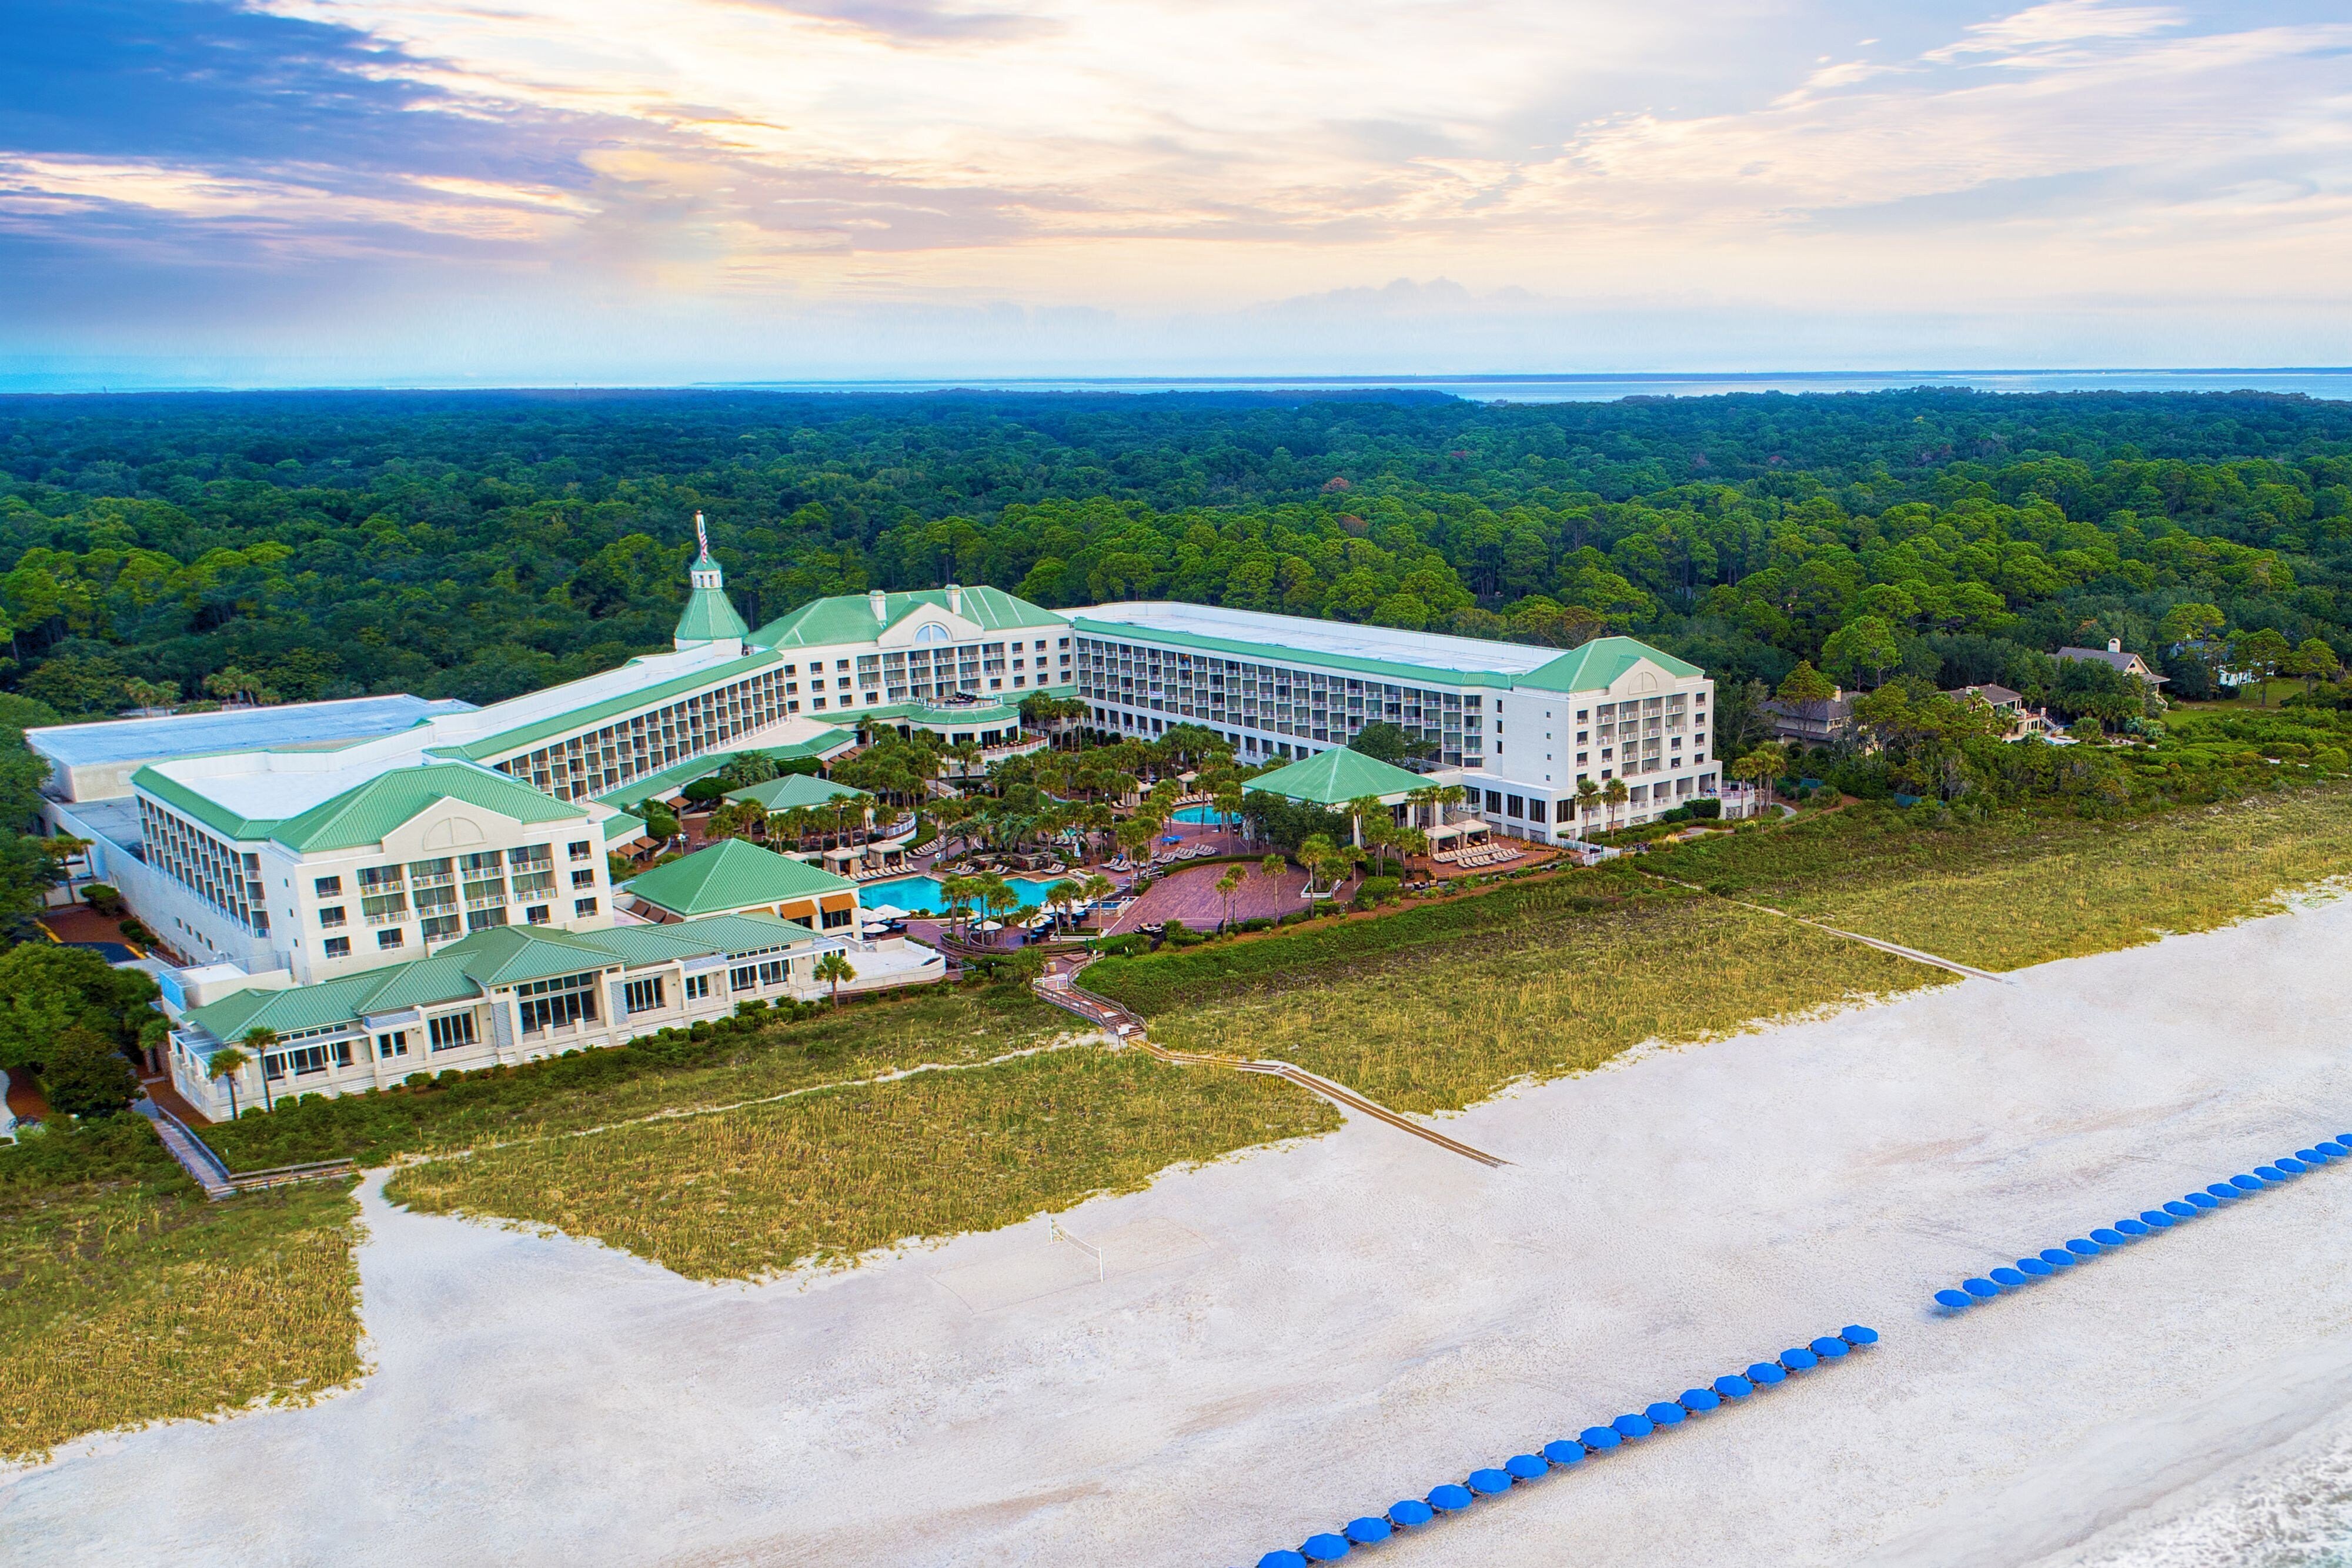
(1270, 1345)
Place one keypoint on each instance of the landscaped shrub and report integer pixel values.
(1706, 809)
(1376, 890)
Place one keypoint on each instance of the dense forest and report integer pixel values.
(483, 545)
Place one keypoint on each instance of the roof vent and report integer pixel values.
(955, 599)
(881, 604)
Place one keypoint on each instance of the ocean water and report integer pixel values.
(2319, 381)
(2296, 1514)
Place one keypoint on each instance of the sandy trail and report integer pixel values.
(1310, 1333)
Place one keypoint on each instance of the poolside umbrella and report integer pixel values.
(1633, 1426)
(2270, 1174)
(1829, 1347)
(1983, 1290)
(1799, 1359)
(2202, 1200)
(1282, 1560)
(2035, 1268)
(2082, 1246)
(1490, 1480)
(2290, 1165)
(2180, 1208)
(2007, 1278)
(1324, 1548)
(2246, 1183)
(2334, 1148)
(2106, 1237)
(2057, 1257)
(1734, 1386)
(886, 912)
(1666, 1414)
(1451, 1498)
(1409, 1511)
(1700, 1400)
(1857, 1336)
(987, 926)
(2157, 1219)
(1766, 1372)
(1599, 1439)
(2132, 1227)
(1564, 1451)
(1365, 1531)
(1526, 1467)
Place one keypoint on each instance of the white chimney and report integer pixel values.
(955, 599)
(880, 603)
(2114, 644)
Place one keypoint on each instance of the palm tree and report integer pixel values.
(227, 1062)
(1227, 885)
(1314, 852)
(1587, 794)
(1064, 897)
(258, 1039)
(1272, 866)
(834, 968)
(1614, 794)
(959, 891)
(1096, 887)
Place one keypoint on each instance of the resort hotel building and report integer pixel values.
(1517, 728)
(391, 884)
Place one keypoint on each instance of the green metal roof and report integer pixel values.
(930, 717)
(1336, 777)
(678, 775)
(731, 875)
(1593, 667)
(522, 738)
(202, 807)
(794, 789)
(708, 617)
(473, 966)
(622, 826)
(850, 617)
(1279, 653)
(364, 815)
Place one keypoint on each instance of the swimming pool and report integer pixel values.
(1198, 815)
(913, 893)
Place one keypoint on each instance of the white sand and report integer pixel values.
(1307, 1333)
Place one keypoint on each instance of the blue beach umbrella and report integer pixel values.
(2269, 1176)
(1526, 1467)
(1857, 1336)
(2058, 1257)
(1599, 1439)
(1955, 1300)
(2157, 1219)
(2334, 1148)
(2035, 1268)
(1490, 1481)
(2202, 1201)
(1983, 1290)
(1408, 1512)
(1371, 1528)
(1451, 1498)
(1699, 1401)
(1634, 1424)
(2007, 1278)
(2082, 1246)
(1324, 1548)
(1797, 1358)
(1764, 1374)
(2311, 1156)
(2225, 1191)
(1665, 1413)
(2290, 1165)
(2132, 1227)
(1565, 1451)
(1734, 1386)
(2180, 1208)
(1829, 1347)
(2341, 1139)
(2107, 1238)
(2246, 1183)
(1282, 1560)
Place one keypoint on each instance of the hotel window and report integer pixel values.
(773, 971)
(556, 1004)
(388, 1046)
(1494, 801)
(1515, 806)
(743, 978)
(583, 879)
(536, 914)
(580, 850)
(834, 919)
(643, 996)
(1535, 811)
(338, 946)
(582, 907)
(389, 939)
(331, 916)
(697, 987)
(450, 1032)
(440, 927)
(328, 887)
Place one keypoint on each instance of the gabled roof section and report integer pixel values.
(1336, 777)
(492, 747)
(199, 807)
(850, 617)
(731, 875)
(708, 617)
(1600, 662)
(795, 789)
(364, 815)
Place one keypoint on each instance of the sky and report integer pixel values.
(656, 192)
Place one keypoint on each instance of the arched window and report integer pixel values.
(934, 633)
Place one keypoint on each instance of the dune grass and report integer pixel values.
(2019, 889)
(1436, 1027)
(822, 1178)
(126, 1297)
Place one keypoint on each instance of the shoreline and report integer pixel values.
(1284, 1339)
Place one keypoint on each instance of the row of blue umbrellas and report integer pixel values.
(1455, 1496)
(2052, 1261)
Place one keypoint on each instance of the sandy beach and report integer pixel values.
(1303, 1334)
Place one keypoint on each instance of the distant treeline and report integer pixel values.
(483, 545)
